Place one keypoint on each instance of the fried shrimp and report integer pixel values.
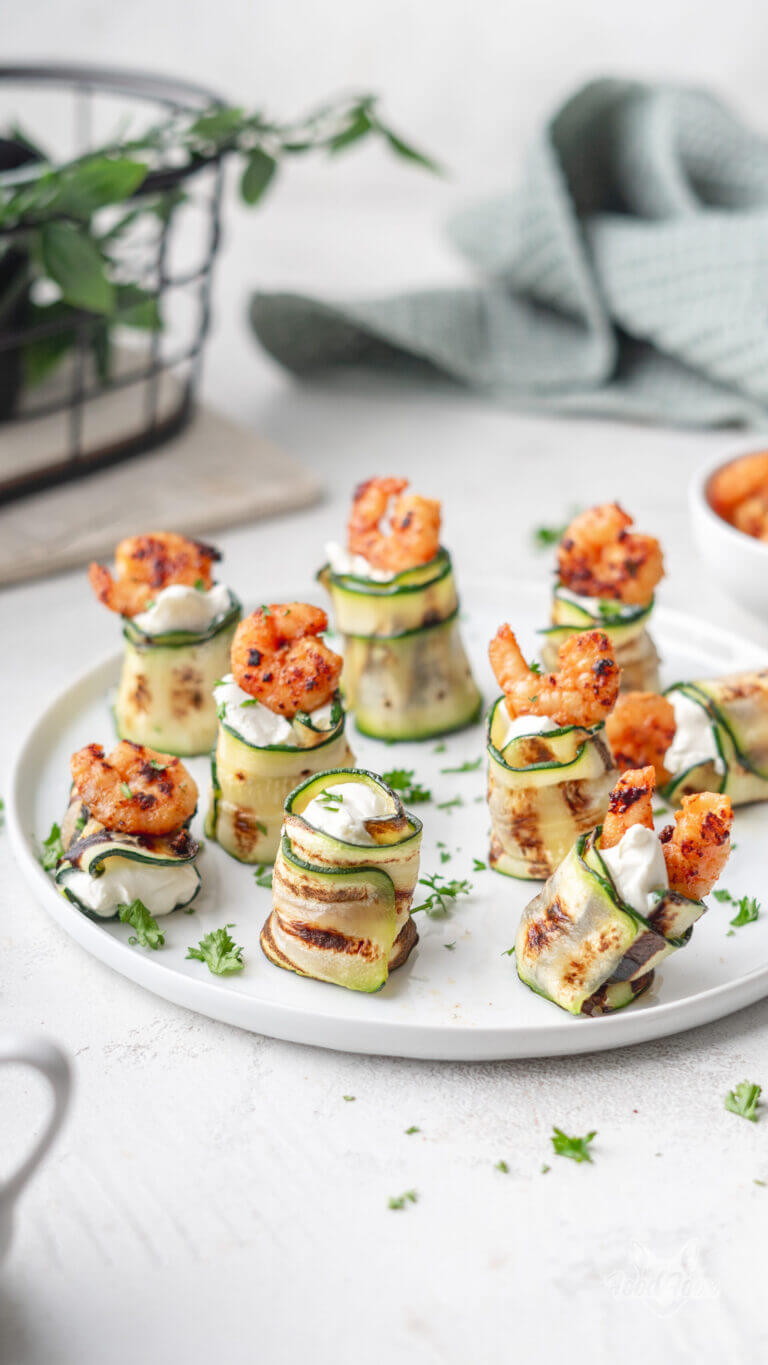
(640, 729)
(136, 790)
(581, 693)
(278, 659)
(600, 557)
(630, 803)
(146, 564)
(697, 846)
(739, 493)
(414, 534)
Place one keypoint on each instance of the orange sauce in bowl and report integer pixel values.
(738, 492)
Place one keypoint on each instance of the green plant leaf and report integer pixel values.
(73, 260)
(89, 185)
(217, 125)
(359, 126)
(259, 170)
(135, 307)
(409, 153)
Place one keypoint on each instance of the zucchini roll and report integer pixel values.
(622, 900)
(280, 720)
(178, 627)
(406, 674)
(344, 879)
(605, 580)
(549, 766)
(125, 835)
(710, 735)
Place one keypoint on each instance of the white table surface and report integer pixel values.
(213, 1197)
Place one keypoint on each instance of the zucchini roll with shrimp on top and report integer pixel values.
(178, 625)
(699, 736)
(623, 900)
(406, 675)
(280, 720)
(125, 836)
(549, 766)
(344, 880)
(606, 577)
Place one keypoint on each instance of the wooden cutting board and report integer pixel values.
(212, 475)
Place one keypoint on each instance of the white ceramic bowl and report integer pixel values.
(738, 561)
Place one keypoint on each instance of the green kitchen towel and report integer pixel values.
(627, 275)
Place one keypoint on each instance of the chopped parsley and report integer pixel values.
(748, 911)
(263, 876)
(125, 789)
(261, 827)
(219, 952)
(413, 1129)
(449, 805)
(401, 1201)
(502, 1166)
(508, 951)
(436, 904)
(450, 946)
(439, 749)
(723, 896)
(660, 811)
(544, 537)
(264, 609)
(478, 865)
(148, 933)
(744, 1099)
(349, 1098)
(200, 584)
(470, 765)
(402, 780)
(575, 1148)
(445, 856)
(158, 767)
(545, 1168)
(534, 666)
(53, 848)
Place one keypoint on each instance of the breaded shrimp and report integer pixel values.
(600, 557)
(136, 790)
(146, 564)
(277, 658)
(640, 729)
(414, 534)
(581, 693)
(697, 846)
(630, 803)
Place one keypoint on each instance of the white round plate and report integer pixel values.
(458, 996)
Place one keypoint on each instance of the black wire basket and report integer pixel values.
(89, 415)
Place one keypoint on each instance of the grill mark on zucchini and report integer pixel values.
(327, 938)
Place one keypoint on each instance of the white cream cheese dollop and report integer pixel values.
(342, 561)
(618, 610)
(341, 809)
(179, 607)
(161, 889)
(255, 722)
(637, 867)
(694, 740)
(523, 725)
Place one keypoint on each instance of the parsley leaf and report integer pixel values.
(125, 789)
(402, 780)
(449, 805)
(400, 1201)
(502, 1166)
(743, 1100)
(445, 856)
(53, 849)
(748, 911)
(219, 951)
(200, 584)
(471, 765)
(478, 865)
(148, 933)
(263, 876)
(450, 946)
(413, 1129)
(724, 897)
(439, 749)
(544, 537)
(349, 1098)
(436, 904)
(545, 1168)
(575, 1148)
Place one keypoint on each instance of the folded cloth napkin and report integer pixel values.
(627, 276)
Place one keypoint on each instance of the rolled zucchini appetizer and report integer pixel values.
(280, 720)
(125, 835)
(343, 883)
(606, 579)
(622, 900)
(406, 674)
(550, 769)
(178, 628)
(708, 735)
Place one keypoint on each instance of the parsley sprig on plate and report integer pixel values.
(403, 781)
(219, 952)
(575, 1148)
(747, 907)
(147, 930)
(53, 848)
(442, 892)
(744, 1099)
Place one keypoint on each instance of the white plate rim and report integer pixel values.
(442, 1042)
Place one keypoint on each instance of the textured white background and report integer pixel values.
(214, 1197)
